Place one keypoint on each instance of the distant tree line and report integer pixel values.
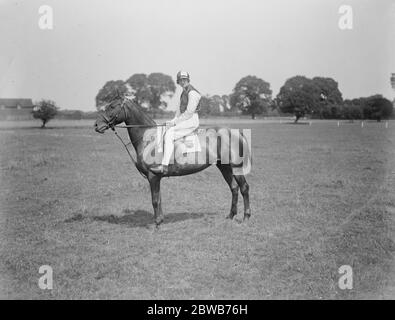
(318, 98)
(321, 98)
(76, 114)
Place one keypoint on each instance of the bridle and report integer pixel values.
(111, 124)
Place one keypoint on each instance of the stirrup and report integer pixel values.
(159, 169)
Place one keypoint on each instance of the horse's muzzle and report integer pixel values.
(100, 129)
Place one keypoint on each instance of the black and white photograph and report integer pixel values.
(217, 151)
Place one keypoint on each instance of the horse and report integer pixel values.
(142, 130)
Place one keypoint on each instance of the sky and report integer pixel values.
(217, 41)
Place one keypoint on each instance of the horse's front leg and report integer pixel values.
(154, 182)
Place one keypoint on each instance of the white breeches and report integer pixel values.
(178, 131)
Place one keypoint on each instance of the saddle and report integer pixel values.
(189, 142)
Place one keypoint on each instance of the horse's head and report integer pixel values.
(111, 114)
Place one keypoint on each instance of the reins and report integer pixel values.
(112, 127)
(141, 126)
(127, 150)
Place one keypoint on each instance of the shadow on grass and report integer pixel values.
(140, 218)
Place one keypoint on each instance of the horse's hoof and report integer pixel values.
(151, 227)
(247, 217)
(154, 227)
(159, 221)
(157, 224)
(230, 216)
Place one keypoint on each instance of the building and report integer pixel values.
(16, 109)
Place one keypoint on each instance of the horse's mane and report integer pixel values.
(138, 112)
(141, 114)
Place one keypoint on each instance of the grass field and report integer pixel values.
(322, 196)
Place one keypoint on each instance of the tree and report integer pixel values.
(205, 105)
(218, 104)
(226, 103)
(152, 89)
(381, 108)
(299, 95)
(374, 107)
(210, 105)
(329, 89)
(45, 110)
(251, 95)
(139, 87)
(110, 91)
(330, 95)
(351, 111)
(330, 112)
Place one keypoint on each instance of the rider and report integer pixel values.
(185, 121)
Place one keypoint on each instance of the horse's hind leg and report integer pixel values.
(227, 173)
(244, 189)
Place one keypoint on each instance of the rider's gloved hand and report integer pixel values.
(170, 124)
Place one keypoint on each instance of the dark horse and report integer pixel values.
(142, 132)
